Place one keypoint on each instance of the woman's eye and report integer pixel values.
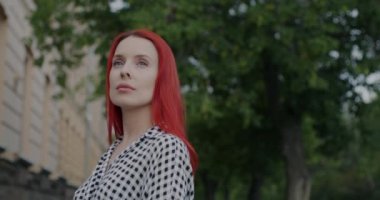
(117, 63)
(142, 64)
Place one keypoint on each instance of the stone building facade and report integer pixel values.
(47, 147)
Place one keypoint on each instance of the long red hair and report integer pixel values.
(167, 105)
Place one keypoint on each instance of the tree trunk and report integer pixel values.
(226, 191)
(210, 186)
(254, 188)
(298, 181)
(298, 177)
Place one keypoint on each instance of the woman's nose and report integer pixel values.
(124, 72)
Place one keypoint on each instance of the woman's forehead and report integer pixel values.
(136, 46)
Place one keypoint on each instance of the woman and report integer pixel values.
(151, 157)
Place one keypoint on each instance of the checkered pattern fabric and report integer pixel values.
(156, 166)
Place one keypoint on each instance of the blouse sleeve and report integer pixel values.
(170, 174)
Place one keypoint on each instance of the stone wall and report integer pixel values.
(19, 183)
(47, 147)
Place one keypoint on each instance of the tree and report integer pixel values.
(263, 80)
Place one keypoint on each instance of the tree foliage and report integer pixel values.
(248, 70)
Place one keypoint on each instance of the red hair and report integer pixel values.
(167, 106)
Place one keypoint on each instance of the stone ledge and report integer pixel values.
(19, 182)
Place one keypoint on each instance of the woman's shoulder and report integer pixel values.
(163, 141)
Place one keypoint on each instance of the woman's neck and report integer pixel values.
(135, 122)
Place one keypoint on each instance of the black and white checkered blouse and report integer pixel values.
(156, 166)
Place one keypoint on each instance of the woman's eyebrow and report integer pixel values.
(137, 56)
(118, 56)
(143, 56)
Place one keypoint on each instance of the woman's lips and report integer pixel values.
(123, 87)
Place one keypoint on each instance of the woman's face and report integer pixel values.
(133, 73)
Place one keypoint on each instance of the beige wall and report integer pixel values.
(3, 27)
(49, 134)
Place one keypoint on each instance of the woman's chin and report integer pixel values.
(129, 106)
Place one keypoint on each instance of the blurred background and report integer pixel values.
(281, 96)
